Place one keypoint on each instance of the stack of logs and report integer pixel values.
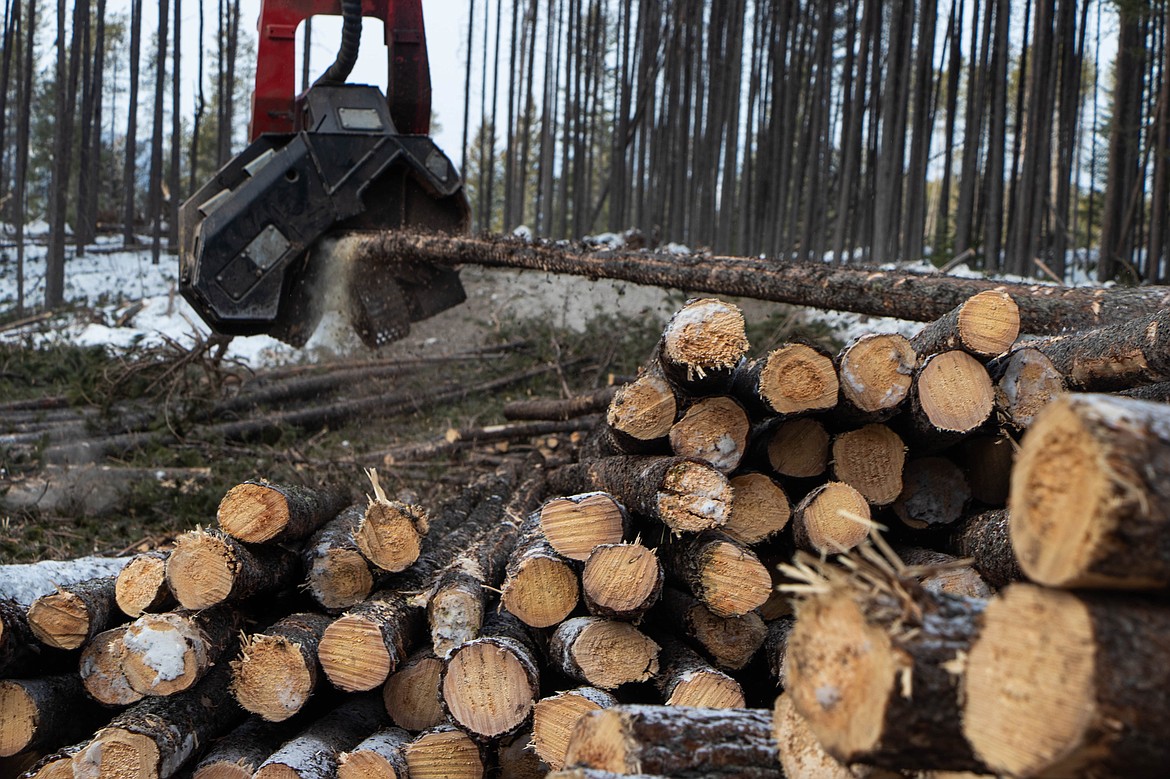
(796, 565)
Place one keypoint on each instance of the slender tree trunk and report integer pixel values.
(11, 46)
(972, 135)
(173, 180)
(954, 71)
(201, 101)
(996, 140)
(130, 152)
(20, 187)
(155, 210)
(923, 130)
(1161, 151)
(82, 230)
(93, 174)
(62, 153)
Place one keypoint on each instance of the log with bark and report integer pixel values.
(575, 524)
(100, 668)
(490, 683)
(985, 538)
(169, 652)
(941, 572)
(701, 345)
(794, 379)
(142, 585)
(639, 417)
(315, 751)
(19, 649)
(411, 694)
(382, 755)
(685, 495)
(621, 581)
(209, 567)
(389, 533)
(277, 670)
(337, 573)
(775, 650)
(987, 462)
(832, 518)
(561, 409)
(797, 448)
(874, 664)
(1069, 684)
(55, 765)
(1090, 496)
(74, 614)
(759, 508)
(444, 752)
(686, 679)
(602, 652)
(875, 372)
(541, 586)
(158, 735)
(934, 493)
(457, 440)
(985, 325)
(516, 758)
(870, 460)
(259, 511)
(893, 293)
(238, 754)
(713, 429)
(730, 641)
(660, 739)
(1025, 382)
(723, 574)
(952, 398)
(44, 711)
(803, 757)
(554, 717)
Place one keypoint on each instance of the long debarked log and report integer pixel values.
(157, 736)
(554, 717)
(1064, 684)
(662, 740)
(43, 712)
(277, 669)
(74, 614)
(1090, 494)
(901, 294)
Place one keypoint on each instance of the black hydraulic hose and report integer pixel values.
(351, 38)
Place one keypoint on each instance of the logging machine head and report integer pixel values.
(274, 239)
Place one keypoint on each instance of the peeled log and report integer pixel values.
(258, 511)
(870, 460)
(662, 739)
(574, 524)
(1090, 497)
(101, 669)
(490, 684)
(876, 671)
(167, 653)
(380, 756)
(209, 567)
(554, 718)
(1064, 684)
(277, 669)
(74, 614)
(685, 495)
(793, 379)
(602, 653)
(157, 736)
(827, 519)
(142, 584)
(984, 325)
(314, 752)
(621, 581)
(43, 712)
(719, 571)
(411, 694)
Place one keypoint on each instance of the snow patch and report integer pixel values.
(159, 650)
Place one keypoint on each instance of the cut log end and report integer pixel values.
(1030, 699)
(576, 524)
(223, 770)
(622, 579)
(19, 716)
(827, 519)
(411, 694)
(1029, 382)
(142, 585)
(934, 493)
(799, 448)
(165, 654)
(614, 653)
(366, 765)
(554, 718)
(876, 371)
(389, 534)
(955, 392)
(989, 323)
(732, 580)
(201, 570)
(340, 578)
(705, 335)
(353, 654)
(117, 753)
(487, 689)
(759, 508)
(644, 409)
(270, 678)
(601, 740)
(542, 593)
(693, 497)
(253, 512)
(444, 754)
(797, 378)
(102, 672)
(707, 689)
(60, 620)
(715, 430)
(870, 460)
(841, 671)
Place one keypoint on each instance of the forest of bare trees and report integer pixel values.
(988, 130)
(1018, 136)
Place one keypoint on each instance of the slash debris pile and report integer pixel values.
(799, 564)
